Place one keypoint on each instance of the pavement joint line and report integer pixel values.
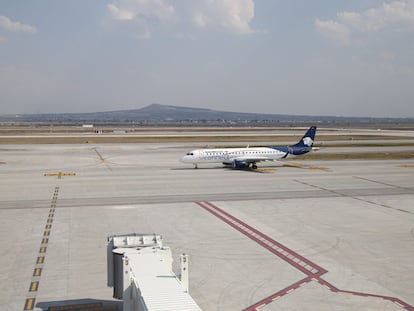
(312, 275)
(102, 159)
(382, 183)
(359, 198)
(40, 258)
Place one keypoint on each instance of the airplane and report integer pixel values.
(244, 158)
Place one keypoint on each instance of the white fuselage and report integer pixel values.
(227, 155)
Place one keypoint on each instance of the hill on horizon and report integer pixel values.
(167, 113)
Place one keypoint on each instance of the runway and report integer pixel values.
(347, 229)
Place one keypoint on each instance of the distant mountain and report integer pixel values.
(156, 113)
(159, 112)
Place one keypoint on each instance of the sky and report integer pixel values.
(301, 57)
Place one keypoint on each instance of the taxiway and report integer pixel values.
(327, 235)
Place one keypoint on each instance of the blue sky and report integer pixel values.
(320, 57)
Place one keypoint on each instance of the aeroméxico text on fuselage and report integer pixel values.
(240, 158)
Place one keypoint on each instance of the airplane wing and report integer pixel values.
(253, 159)
(244, 162)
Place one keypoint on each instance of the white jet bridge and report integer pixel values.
(140, 271)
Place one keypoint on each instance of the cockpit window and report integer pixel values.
(190, 153)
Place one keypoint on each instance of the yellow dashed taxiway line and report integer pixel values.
(29, 305)
(37, 272)
(34, 286)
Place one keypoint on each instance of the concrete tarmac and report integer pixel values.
(320, 235)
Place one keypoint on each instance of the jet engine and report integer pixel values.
(239, 164)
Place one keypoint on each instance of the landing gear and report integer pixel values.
(195, 165)
(254, 166)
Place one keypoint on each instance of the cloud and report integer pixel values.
(131, 9)
(9, 25)
(231, 16)
(120, 14)
(141, 14)
(334, 30)
(396, 15)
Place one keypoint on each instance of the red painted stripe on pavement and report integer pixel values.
(289, 256)
(261, 239)
(393, 299)
(278, 294)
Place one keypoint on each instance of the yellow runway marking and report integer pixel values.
(29, 305)
(37, 272)
(34, 286)
(59, 175)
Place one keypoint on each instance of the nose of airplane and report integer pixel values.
(184, 158)
(188, 157)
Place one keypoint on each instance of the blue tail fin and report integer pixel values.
(305, 144)
(307, 139)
